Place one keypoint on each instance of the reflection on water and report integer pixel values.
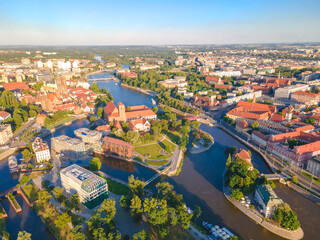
(27, 220)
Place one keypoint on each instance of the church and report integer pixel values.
(120, 113)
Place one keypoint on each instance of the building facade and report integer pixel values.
(88, 136)
(5, 133)
(267, 199)
(41, 149)
(118, 147)
(92, 189)
(70, 147)
(112, 113)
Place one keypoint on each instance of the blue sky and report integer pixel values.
(104, 22)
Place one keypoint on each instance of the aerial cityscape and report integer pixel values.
(160, 120)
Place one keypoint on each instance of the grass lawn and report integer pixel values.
(176, 233)
(154, 150)
(57, 123)
(174, 137)
(139, 159)
(13, 200)
(31, 191)
(117, 188)
(157, 163)
(316, 180)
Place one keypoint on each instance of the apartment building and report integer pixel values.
(41, 149)
(5, 133)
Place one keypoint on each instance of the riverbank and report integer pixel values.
(144, 91)
(295, 187)
(200, 149)
(255, 216)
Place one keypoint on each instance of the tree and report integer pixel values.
(136, 209)
(100, 112)
(129, 109)
(93, 118)
(236, 194)
(95, 164)
(196, 124)
(75, 200)
(229, 160)
(157, 211)
(32, 113)
(197, 211)
(44, 196)
(292, 142)
(78, 233)
(57, 191)
(108, 207)
(23, 235)
(294, 179)
(26, 153)
(142, 235)
(185, 218)
(23, 102)
(132, 137)
(62, 221)
(136, 187)
(255, 125)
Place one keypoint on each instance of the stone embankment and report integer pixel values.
(200, 149)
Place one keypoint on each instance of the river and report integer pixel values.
(200, 182)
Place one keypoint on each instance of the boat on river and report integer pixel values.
(13, 164)
(153, 101)
(217, 233)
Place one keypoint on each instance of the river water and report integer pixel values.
(200, 182)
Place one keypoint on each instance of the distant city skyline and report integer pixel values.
(158, 22)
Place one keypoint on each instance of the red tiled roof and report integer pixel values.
(260, 135)
(15, 86)
(4, 114)
(103, 128)
(110, 108)
(277, 118)
(243, 154)
(308, 148)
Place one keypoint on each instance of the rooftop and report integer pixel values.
(88, 180)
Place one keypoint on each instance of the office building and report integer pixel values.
(285, 92)
(92, 189)
(69, 147)
(88, 136)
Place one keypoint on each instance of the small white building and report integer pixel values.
(139, 125)
(41, 149)
(92, 189)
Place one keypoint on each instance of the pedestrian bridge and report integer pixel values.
(271, 177)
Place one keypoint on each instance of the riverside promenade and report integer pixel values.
(258, 218)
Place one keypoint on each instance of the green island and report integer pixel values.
(242, 179)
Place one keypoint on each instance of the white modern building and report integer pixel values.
(41, 149)
(87, 135)
(92, 189)
(285, 93)
(70, 147)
